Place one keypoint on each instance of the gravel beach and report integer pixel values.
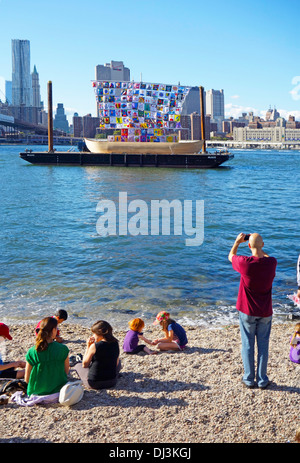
(194, 396)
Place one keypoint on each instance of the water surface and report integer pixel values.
(52, 256)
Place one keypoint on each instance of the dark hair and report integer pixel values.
(46, 327)
(102, 328)
(166, 323)
(61, 313)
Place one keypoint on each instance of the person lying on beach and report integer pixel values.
(9, 369)
(175, 335)
(101, 365)
(47, 363)
(131, 341)
(61, 316)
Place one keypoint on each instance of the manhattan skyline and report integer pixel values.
(249, 51)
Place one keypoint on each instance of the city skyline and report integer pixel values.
(250, 52)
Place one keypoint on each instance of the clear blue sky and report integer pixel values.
(249, 49)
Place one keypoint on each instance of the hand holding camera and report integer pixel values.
(242, 237)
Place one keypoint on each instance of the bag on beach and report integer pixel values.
(71, 393)
(13, 385)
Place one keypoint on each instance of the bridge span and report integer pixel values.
(10, 121)
(252, 144)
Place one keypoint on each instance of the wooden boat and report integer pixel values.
(107, 147)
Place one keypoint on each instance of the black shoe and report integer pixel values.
(72, 360)
(75, 359)
(265, 387)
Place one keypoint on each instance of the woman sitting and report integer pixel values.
(101, 364)
(47, 363)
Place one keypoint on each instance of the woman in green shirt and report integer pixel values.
(47, 363)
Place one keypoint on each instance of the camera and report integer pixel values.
(246, 237)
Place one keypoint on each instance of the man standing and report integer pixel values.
(254, 304)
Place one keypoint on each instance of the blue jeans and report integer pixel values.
(252, 327)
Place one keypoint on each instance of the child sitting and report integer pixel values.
(61, 316)
(295, 345)
(175, 336)
(9, 369)
(131, 341)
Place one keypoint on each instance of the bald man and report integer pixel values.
(254, 303)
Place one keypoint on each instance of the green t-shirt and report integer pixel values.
(48, 374)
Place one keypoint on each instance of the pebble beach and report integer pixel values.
(193, 396)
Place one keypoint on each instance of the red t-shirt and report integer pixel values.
(255, 291)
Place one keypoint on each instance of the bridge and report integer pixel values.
(10, 121)
(287, 144)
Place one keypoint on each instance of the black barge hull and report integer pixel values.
(82, 158)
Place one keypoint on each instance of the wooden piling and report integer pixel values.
(202, 113)
(50, 118)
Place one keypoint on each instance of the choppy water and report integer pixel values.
(52, 256)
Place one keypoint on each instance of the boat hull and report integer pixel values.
(205, 160)
(107, 147)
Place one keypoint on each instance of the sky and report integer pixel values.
(249, 49)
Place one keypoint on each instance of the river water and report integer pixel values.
(52, 255)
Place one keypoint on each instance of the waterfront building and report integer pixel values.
(60, 120)
(21, 77)
(291, 123)
(85, 126)
(278, 134)
(214, 106)
(191, 127)
(190, 117)
(229, 124)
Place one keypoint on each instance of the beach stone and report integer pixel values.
(190, 396)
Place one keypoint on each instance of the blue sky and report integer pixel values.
(249, 49)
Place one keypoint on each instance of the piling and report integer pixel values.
(202, 113)
(50, 118)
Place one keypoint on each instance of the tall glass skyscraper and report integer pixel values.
(21, 76)
(215, 106)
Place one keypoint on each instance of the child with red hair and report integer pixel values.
(131, 341)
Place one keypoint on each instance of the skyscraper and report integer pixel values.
(214, 101)
(8, 91)
(115, 70)
(36, 93)
(60, 121)
(21, 77)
